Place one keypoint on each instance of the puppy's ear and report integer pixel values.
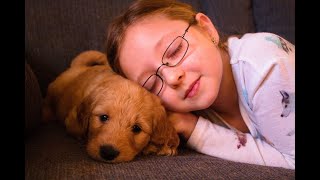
(159, 125)
(77, 121)
(164, 139)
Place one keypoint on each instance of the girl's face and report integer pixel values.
(192, 84)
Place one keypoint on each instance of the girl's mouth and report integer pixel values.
(193, 89)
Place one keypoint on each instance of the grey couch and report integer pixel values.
(56, 31)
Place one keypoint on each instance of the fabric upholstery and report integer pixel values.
(56, 31)
(54, 155)
(230, 16)
(277, 16)
(33, 100)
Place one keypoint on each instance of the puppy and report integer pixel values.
(118, 118)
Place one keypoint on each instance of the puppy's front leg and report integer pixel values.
(169, 148)
(166, 149)
(164, 141)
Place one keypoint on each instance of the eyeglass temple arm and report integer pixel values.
(186, 30)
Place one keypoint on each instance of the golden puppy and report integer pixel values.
(117, 117)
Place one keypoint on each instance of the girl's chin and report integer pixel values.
(198, 103)
(206, 101)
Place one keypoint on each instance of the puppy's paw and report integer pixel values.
(167, 151)
(150, 149)
(169, 148)
(163, 150)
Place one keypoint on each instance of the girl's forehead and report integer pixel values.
(152, 31)
(157, 24)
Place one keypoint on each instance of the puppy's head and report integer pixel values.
(118, 119)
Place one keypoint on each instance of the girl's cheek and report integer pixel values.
(167, 102)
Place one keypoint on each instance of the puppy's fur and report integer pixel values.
(117, 117)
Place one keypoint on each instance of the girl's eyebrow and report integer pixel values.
(160, 43)
(165, 38)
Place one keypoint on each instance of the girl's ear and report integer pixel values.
(205, 23)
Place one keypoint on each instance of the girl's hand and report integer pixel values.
(184, 123)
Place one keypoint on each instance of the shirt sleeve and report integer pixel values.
(211, 139)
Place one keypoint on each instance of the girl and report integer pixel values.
(233, 98)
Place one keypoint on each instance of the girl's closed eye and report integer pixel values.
(175, 52)
(153, 84)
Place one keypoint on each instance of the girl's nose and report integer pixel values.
(173, 76)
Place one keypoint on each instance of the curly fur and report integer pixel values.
(79, 97)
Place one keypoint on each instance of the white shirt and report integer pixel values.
(263, 66)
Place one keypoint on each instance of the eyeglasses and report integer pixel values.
(171, 58)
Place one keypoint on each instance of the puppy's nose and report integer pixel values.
(108, 153)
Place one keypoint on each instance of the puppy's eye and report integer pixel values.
(104, 118)
(136, 129)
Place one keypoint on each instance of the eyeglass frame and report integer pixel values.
(167, 63)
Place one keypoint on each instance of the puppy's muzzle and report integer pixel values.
(108, 152)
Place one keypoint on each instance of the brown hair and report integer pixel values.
(136, 11)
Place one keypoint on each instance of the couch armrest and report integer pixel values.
(33, 101)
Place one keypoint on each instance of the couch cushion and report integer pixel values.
(58, 30)
(229, 16)
(276, 16)
(52, 154)
(194, 3)
(33, 101)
